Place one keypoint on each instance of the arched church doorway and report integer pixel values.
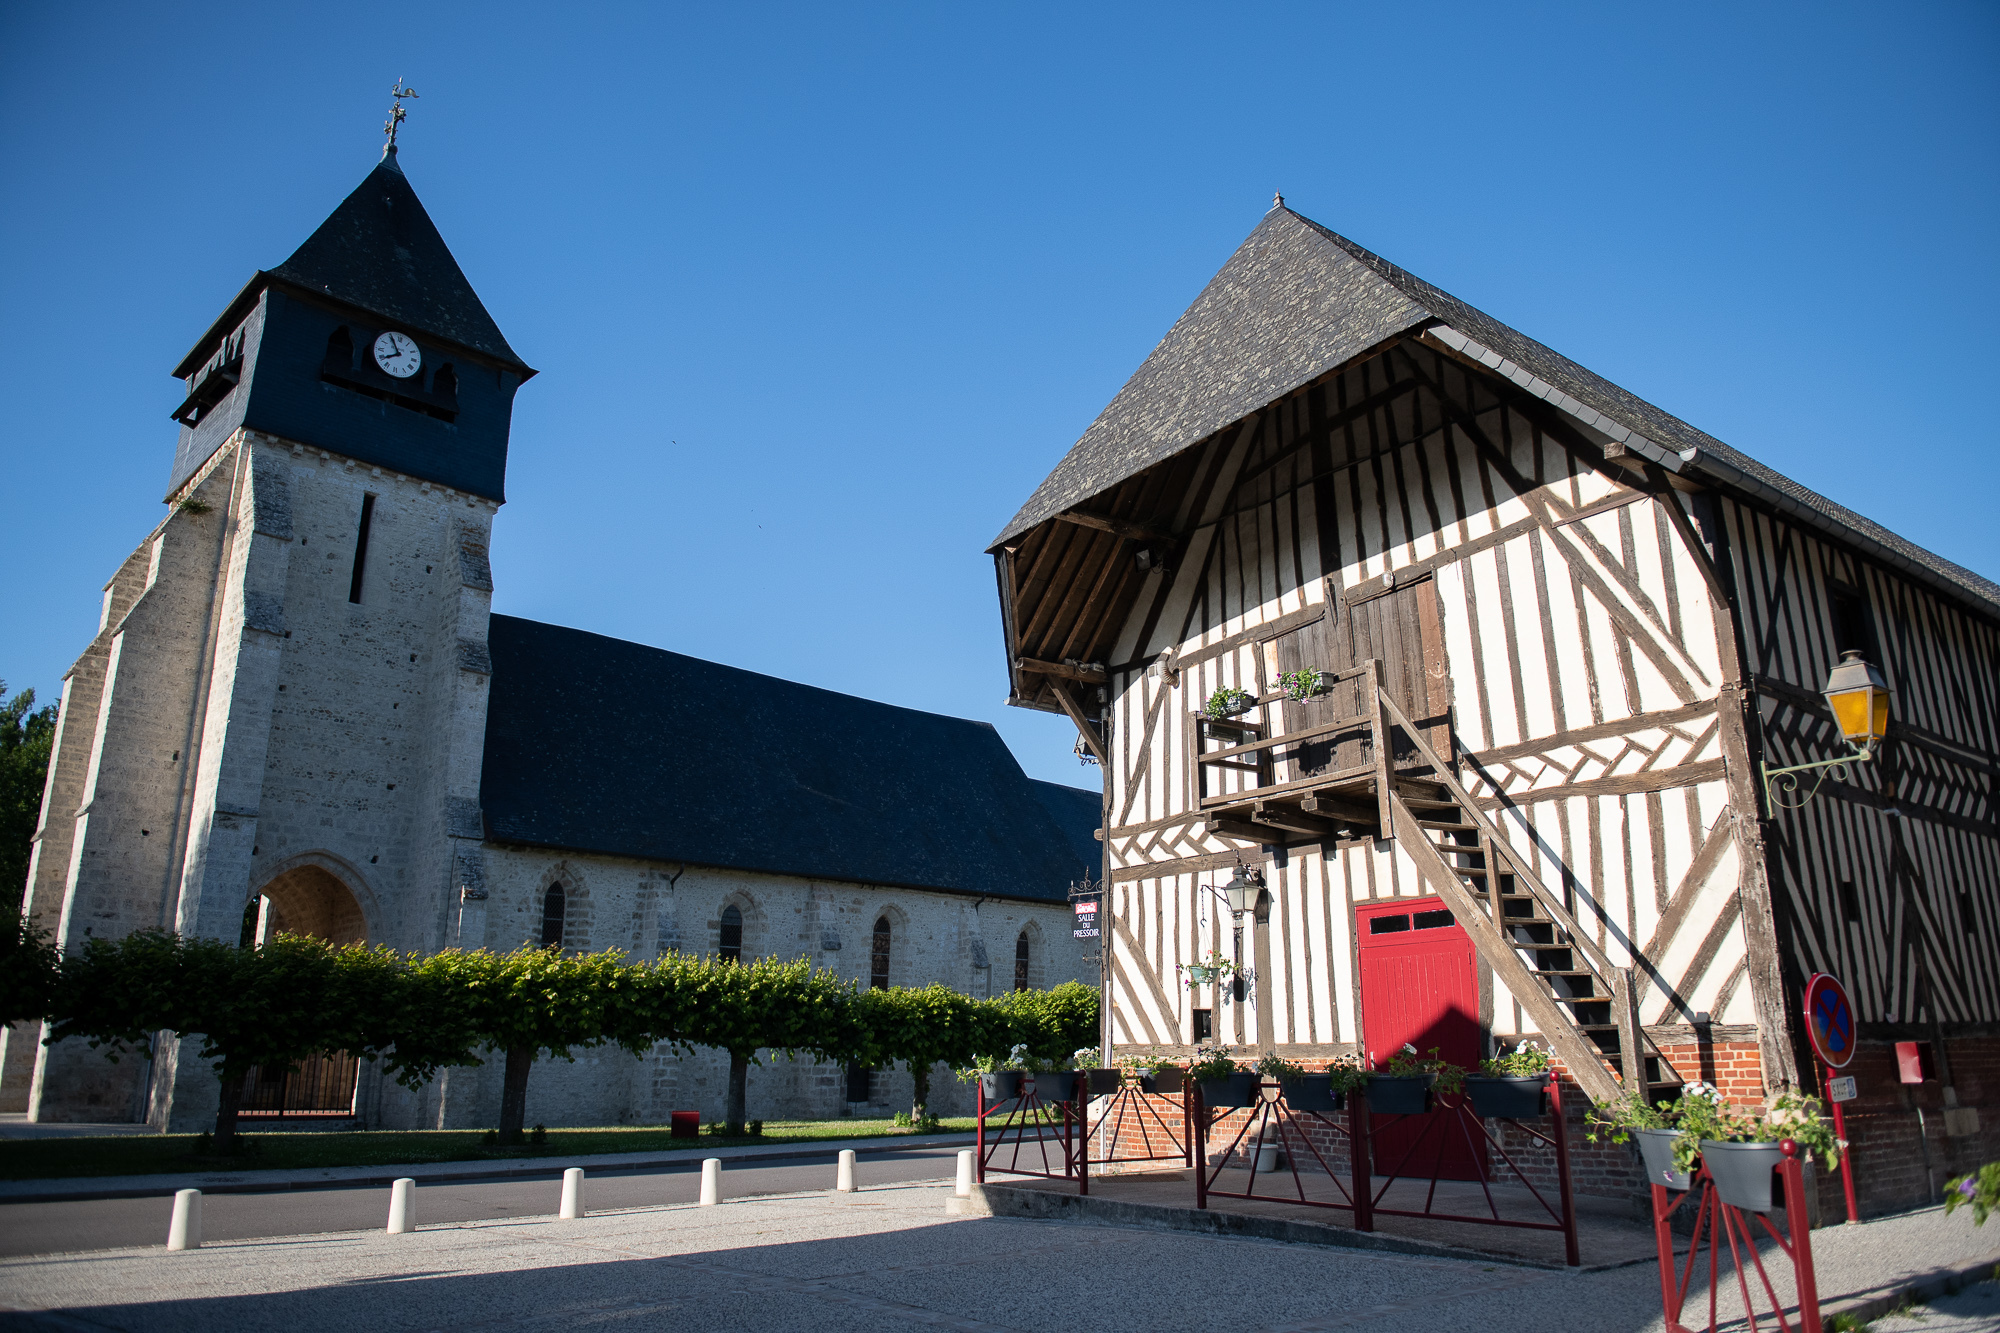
(306, 899)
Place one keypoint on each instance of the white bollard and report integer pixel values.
(572, 1201)
(403, 1207)
(843, 1176)
(184, 1232)
(711, 1182)
(964, 1190)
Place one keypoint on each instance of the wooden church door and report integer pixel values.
(1402, 628)
(1420, 985)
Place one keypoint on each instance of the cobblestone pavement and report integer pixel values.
(883, 1259)
(1976, 1309)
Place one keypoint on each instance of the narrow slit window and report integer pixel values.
(361, 547)
(553, 904)
(731, 935)
(1204, 1024)
(1021, 962)
(878, 956)
(1850, 900)
(1383, 925)
(1433, 920)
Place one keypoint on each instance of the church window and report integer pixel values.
(878, 956)
(445, 383)
(732, 934)
(361, 547)
(1021, 962)
(339, 351)
(552, 917)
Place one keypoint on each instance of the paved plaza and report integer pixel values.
(884, 1258)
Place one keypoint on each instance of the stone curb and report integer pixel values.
(1006, 1201)
(1917, 1292)
(257, 1182)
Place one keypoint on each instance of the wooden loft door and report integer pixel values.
(1420, 985)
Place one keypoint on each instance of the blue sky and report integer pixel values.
(820, 293)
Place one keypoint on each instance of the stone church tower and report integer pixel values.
(288, 687)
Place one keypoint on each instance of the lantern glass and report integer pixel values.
(1859, 698)
(1241, 893)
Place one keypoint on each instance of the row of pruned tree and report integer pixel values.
(274, 1005)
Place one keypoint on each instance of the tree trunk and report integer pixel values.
(920, 1095)
(739, 1074)
(226, 1109)
(514, 1092)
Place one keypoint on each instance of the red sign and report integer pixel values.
(1829, 1021)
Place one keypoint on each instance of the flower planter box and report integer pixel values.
(1001, 1087)
(1407, 1095)
(1236, 709)
(1746, 1176)
(1508, 1098)
(1053, 1088)
(1314, 1092)
(1167, 1081)
(1656, 1150)
(1236, 1090)
(1104, 1082)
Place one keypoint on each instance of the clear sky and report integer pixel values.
(819, 293)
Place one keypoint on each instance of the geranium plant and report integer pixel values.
(1212, 1062)
(1215, 967)
(1704, 1113)
(1227, 702)
(1524, 1061)
(1303, 684)
(1275, 1066)
(1979, 1191)
(1615, 1121)
(1348, 1072)
(1412, 1063)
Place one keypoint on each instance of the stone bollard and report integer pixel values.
(843, 1175)
(184, 1232)
(403, 1207)
(711, 1182)
(572, 1196)
(964, 1190)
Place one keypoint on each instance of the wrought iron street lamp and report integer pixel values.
(1239, 895)
(1859, 698)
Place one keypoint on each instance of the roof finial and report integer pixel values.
(1277, 200)
(396, 115)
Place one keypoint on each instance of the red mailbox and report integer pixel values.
(1913, 1061)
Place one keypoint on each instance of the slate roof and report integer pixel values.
(1297, 300)
(380, 251)
(594, 744)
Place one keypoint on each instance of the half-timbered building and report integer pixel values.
(1558, 632)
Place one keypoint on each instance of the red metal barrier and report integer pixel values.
(1020, 1115)
(1717, 1221)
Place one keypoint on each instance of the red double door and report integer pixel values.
(1419, 985)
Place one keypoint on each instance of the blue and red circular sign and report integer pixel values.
(1829, 1021)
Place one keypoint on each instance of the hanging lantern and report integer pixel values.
(1859, 698)
(1241, 892)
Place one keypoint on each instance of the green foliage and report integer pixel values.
(1212, 1062)
(1704, 1113)
(1304, 683)
(1050, 1023)
(1524, 1061)
(1409, 1063)
(1347, 1072)
(1979, 1191)
(29, 968)
(26, 734)
(540, 1000)
(1616, 1120)
(1273, 1065)
(1227, 702)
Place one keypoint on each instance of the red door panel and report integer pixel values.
(1420, 985)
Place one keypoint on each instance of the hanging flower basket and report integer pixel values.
(1656, 1149)
(1200, 975)
(1304, 684)
(1745, 1174)
(1405, 1094)
(1508, 1098)
(1229, 702)
(1004, 1086)
(1314, 1092)
(1236, 1090)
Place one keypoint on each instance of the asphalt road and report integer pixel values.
(102, 1224)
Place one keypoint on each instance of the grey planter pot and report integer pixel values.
(1656, 1150)
(1001, 1087)
(1746, 1177)
(1508, 1098)
(1054, 1088)
(1314, 1092)
(1237, 1090)
(1104, 1082)
(1167, 1081)
(1409, 1095)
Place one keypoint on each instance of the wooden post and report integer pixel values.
(1627, 1010)
(1384, 749)
(1562, 1174)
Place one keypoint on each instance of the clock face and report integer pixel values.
(397, 354)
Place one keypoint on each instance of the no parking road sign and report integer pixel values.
(1829, 1021)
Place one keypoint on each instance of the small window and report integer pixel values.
(1852, 625)
(552, 917)
(1204, 1024)
(1385, 925)
(1968, 922)
(732, 935)
(859, 1077)
(339, 352)
(1021, 962)
(248, 935)
(361, 548)
(1850, 900)
(1433, 920)
(878, 956)
(444, 384)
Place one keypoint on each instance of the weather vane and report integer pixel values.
(396, 112)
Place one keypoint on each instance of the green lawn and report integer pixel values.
(150, 1154)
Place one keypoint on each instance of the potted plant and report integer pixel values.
(1740, 1148)
(1651, 1127)
(1223, 1083)
(1228, 702)
(1404, 1084)
(1216, 967)
(1302, 1091)
(996, 1084)
(1046, 1080)
(1155, 1072)
(1304, 684)
(1513, 1087)
(1089, 1062)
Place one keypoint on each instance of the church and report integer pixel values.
(300, 714)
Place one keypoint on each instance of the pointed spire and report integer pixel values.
(1277, 200)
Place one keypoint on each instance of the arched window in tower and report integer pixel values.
(1021, 962)
(339, 352)
(445, 383)
(552, 917)
(732, 934)
(878, 955)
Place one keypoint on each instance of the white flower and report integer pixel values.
(1409, 1049)
(1522, 1049)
